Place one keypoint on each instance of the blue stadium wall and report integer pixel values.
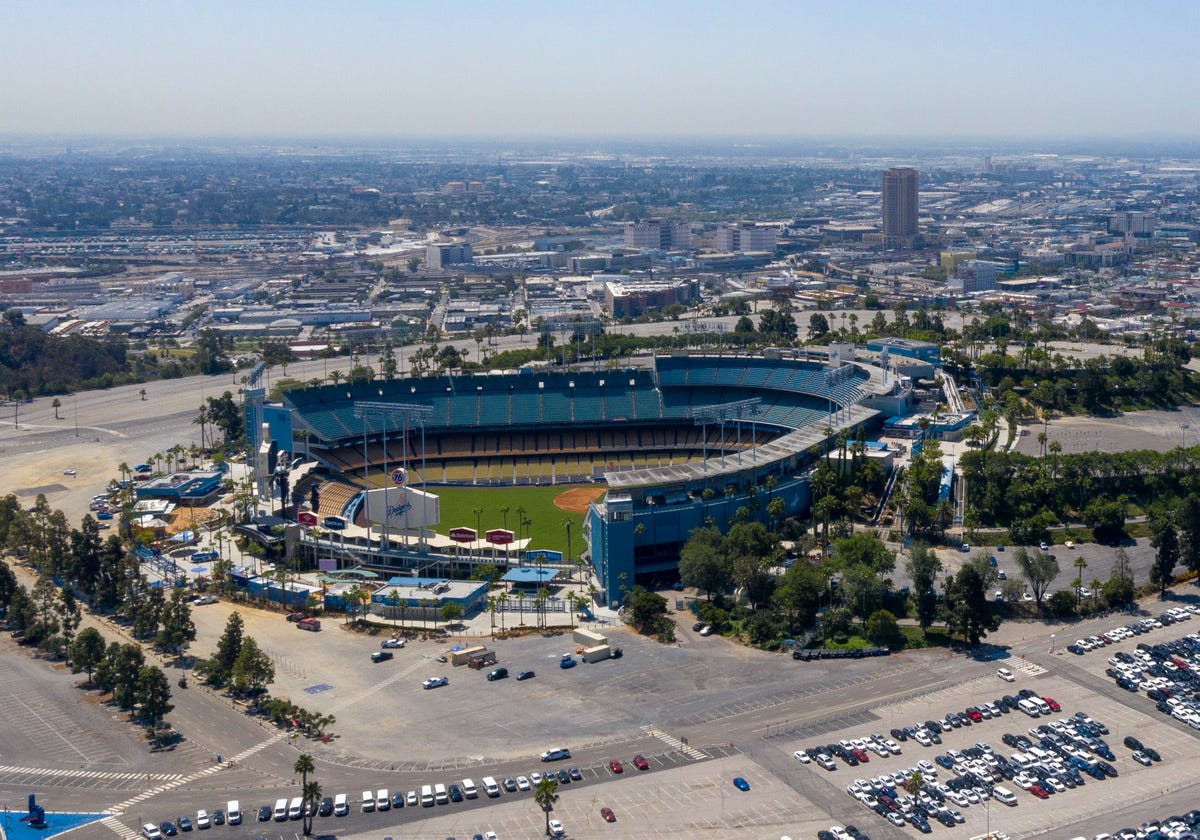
(623, 557)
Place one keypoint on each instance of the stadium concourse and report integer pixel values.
(689, 439)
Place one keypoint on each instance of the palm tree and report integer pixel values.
(201, 420)
(504, 513)
(545, 796)
(1079, 564)
(501, 601)
(303, 766)
(142, 394)
(312, 795)
(566, 523)
(520, 520)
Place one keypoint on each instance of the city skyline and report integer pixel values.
(867, 70)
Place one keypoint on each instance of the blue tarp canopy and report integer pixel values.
(184, 537)
(529, 576)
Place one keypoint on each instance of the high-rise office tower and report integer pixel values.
(899, 207)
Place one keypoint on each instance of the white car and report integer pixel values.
(202, 819)
(802, 757)
(556, 829)
(150, 832)
(523, 783)
(1006, 675)
(1069, 544)
(535, 778)
(392, 643)
(435, 682)
(68, 472)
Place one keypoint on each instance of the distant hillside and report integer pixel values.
(33, 363)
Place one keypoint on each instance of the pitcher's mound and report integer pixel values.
(577, 499)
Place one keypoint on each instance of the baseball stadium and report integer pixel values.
(645, 453)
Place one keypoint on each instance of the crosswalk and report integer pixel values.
(122, 807)
(1025, 666)
(690, 751)
(8, 770)
(119, 828)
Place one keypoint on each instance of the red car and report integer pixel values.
(861, 755)
(974, 714)
(1053, 704)
(615, 766)
(641, 763)
(1039, 791)
(608, 815)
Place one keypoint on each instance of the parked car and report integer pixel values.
(381, 656)
(740, 783)
(615, 766)
(639, 761)
(567, 661)
(607, 815)
(435, 682)
(525, 675)
(392, 643)
(1006, 675)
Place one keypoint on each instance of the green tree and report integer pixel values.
(1119, 588)
(253, 669)
(923, 567)
(220, 666)
(127, 663)
(303, 766)
(1165, 541)
(176, 630)
(703, 563)
(1039, 570)
(1188, 518)
(451, 611)
(966, 609)
(153, 696)
(645, 610)
(884, 631)
(546, 795)
(69, 615)
(87, 651)
(312, 798)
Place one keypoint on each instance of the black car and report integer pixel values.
(564, 778)
(525, 675)
(696, 627)
(1133, 743)
(455, 794)
(325, 809)
(218, 817)
(185, 823)
(1152, 753)
(575, 773)
(264, 813)
(899, 735)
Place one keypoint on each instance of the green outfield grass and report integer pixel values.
(546, 530)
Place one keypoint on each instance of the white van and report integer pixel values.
(440, 795)
(469, 790)
(341, 806)
(1028, 707)
(490, 787)
(233, 812)
(383, 799)
(296, 809)
(1041, 704)
(1003, 794)
(281, 810)
(426, 796)
(368, 801)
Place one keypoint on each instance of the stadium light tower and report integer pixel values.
(384, 412)
(704, 415)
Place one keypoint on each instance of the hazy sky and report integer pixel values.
(607, 67)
